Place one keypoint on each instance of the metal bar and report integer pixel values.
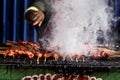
(25, 23)
(4, 20)
(15, 20)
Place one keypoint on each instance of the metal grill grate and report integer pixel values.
(89, 62)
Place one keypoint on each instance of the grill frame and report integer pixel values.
(63, 67)
(89, 62)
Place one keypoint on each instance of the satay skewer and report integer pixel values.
(111, 52)
(83, 58)
(112, 56)
(39, 55)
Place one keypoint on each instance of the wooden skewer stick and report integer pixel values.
(111, 52)
(115, 56)
(8, 41)
(83, 58)
(45, 60)
(76, 59)
(71, 59)
(37, 60)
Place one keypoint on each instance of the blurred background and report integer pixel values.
(14, 27)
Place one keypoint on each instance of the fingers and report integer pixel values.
(38, 19)
(40, 23)
(35, 17)
(37, 22)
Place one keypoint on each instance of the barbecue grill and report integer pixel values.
(65, 67)
(62, 65)
(89, 62)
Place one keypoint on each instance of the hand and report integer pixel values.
(35, 17)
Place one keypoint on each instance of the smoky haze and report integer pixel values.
(77, 22)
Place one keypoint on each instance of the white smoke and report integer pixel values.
(76, 23)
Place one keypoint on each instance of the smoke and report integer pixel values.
(80, 22)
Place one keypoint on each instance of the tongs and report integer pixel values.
(42, 29)
(41, 40)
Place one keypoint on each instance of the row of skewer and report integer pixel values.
(32, 50)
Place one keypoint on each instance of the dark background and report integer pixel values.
(14, 27)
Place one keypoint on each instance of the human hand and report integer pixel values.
(34, 17)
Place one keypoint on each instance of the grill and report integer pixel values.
(66, 66)
(63, 66)
(88, 62)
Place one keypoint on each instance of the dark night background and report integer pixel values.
(14, 27)
(12, 23)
